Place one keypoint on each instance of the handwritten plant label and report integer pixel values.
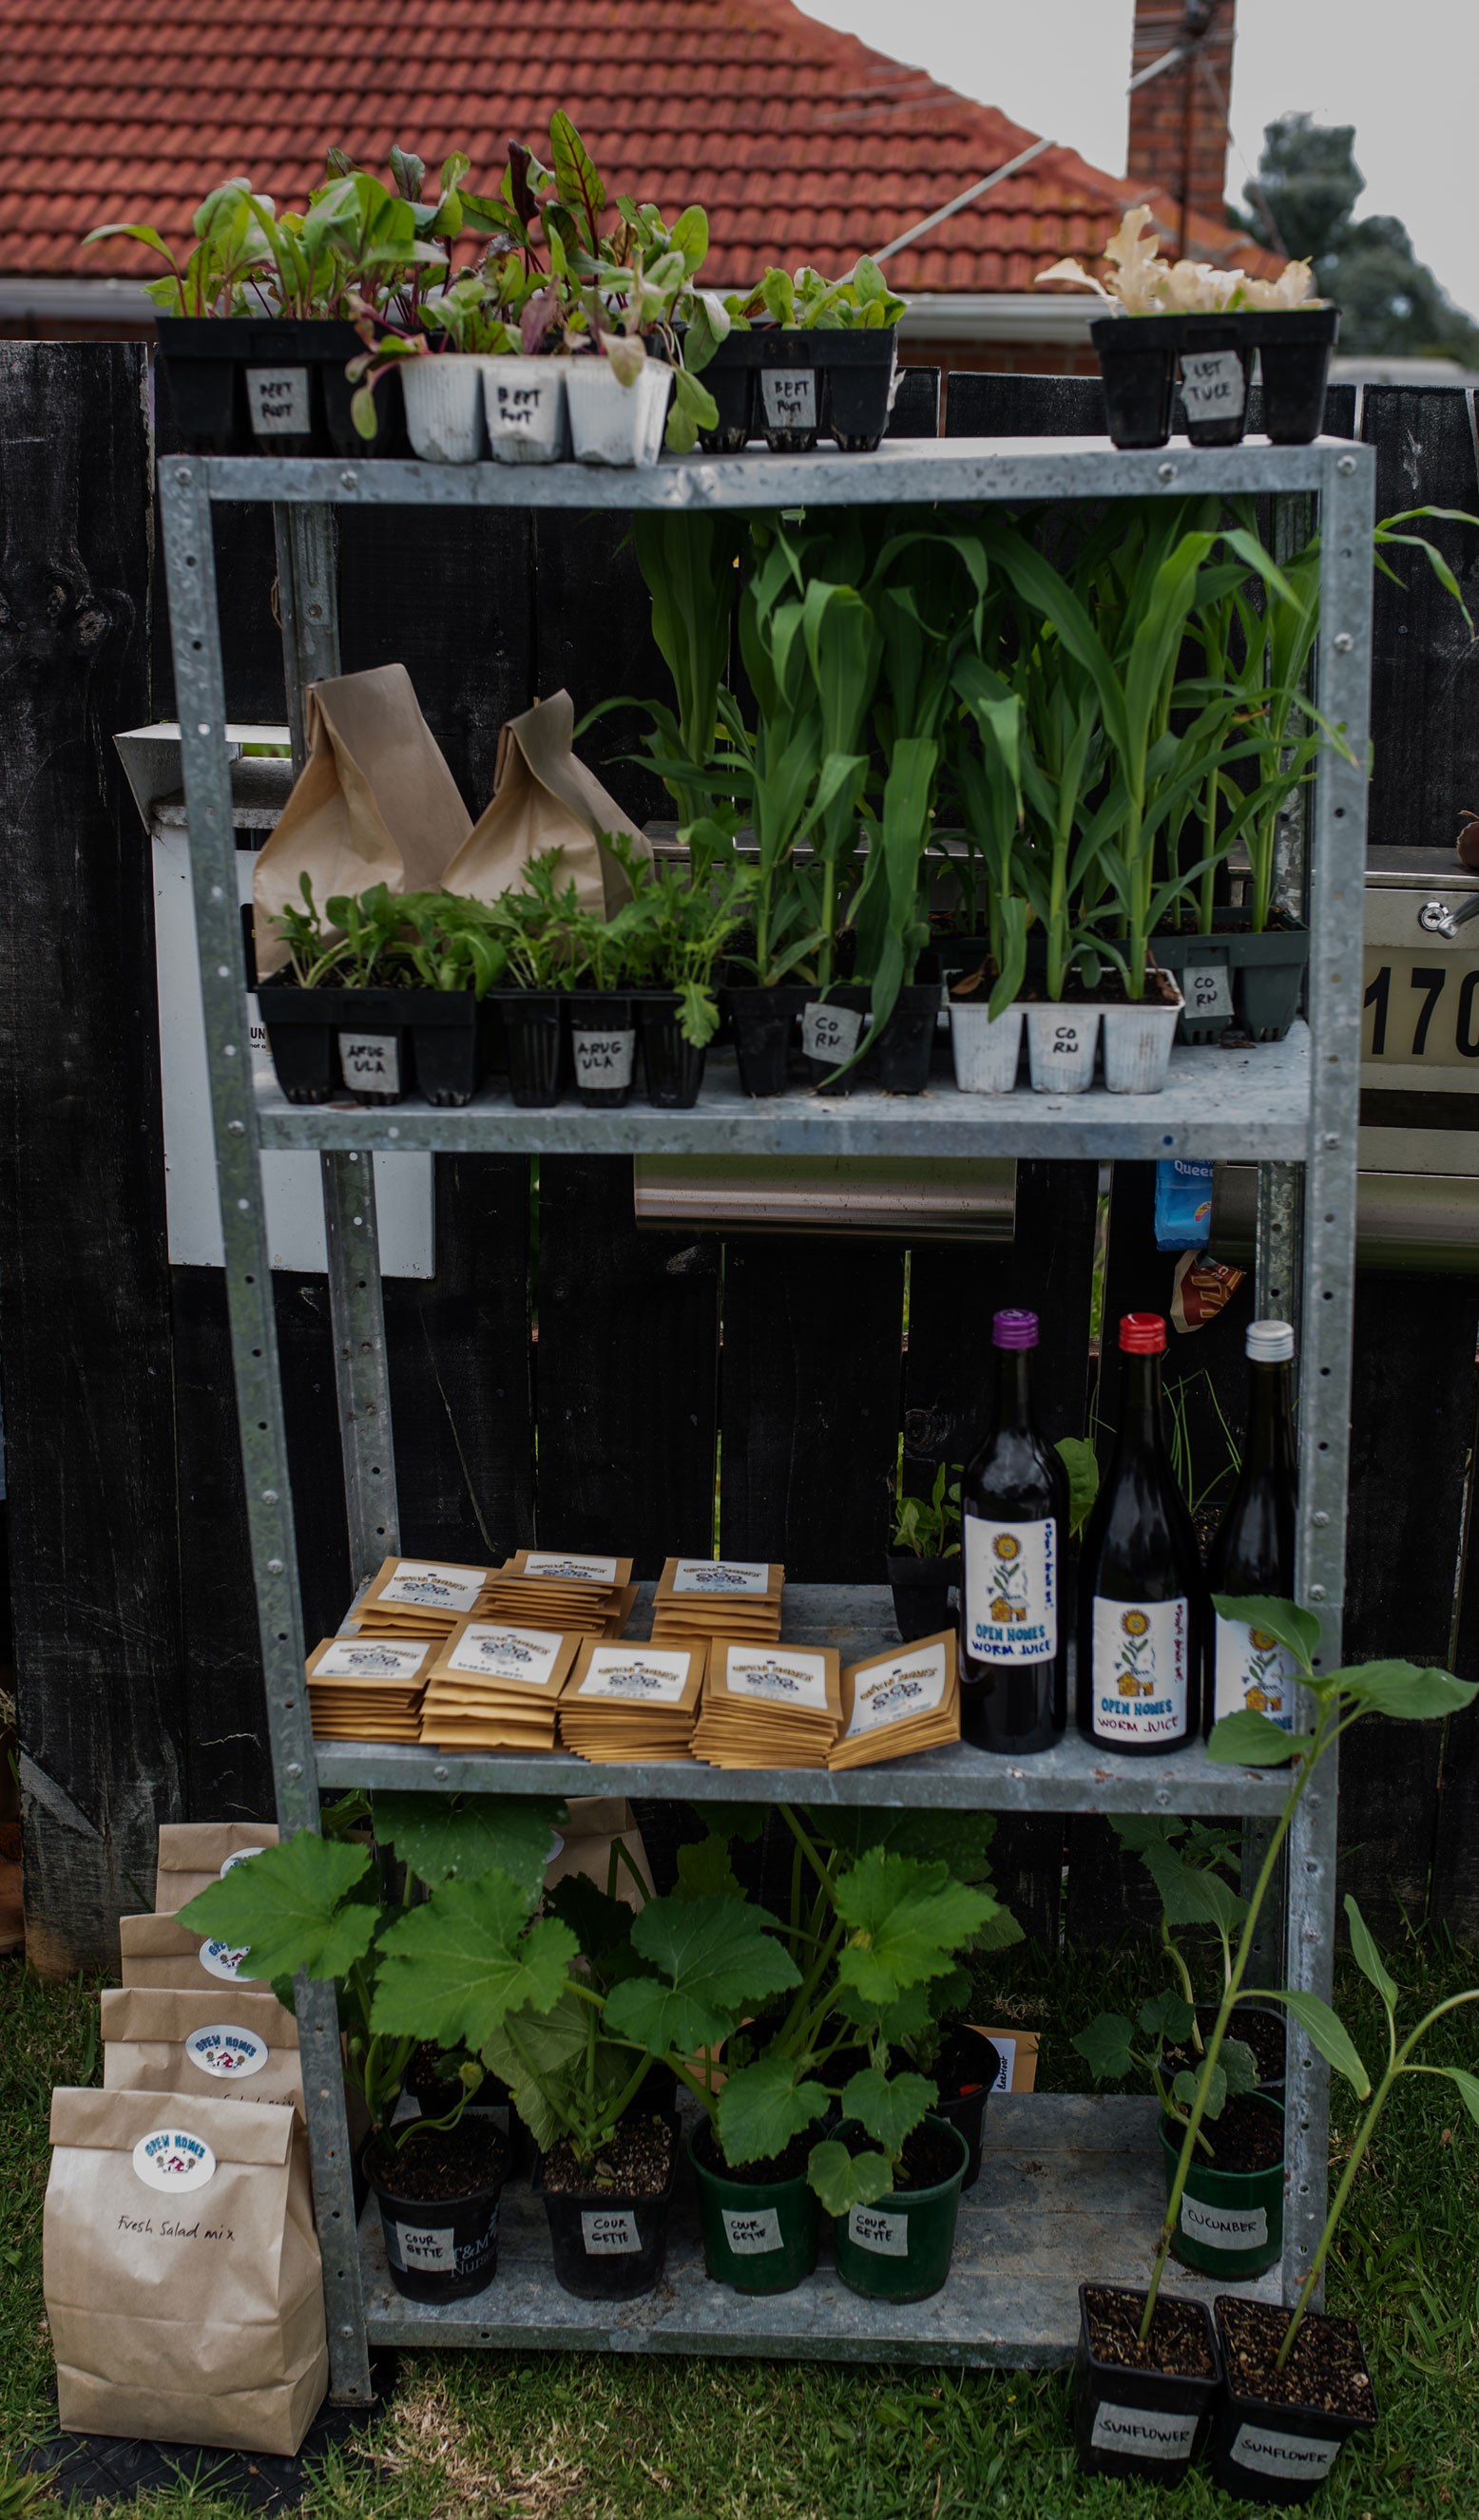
(226, 2052)
(173, 2160)
(609, 2235)
(423, 2248)
(720, 1575)
(788, 398)
(527, 1654)
(783, 1676)
(1204, 988)
(519, 410)
(369, 1658)
(830, 1033)
(1271, 2453)
(1143, 2433)
(1011, 1590)
(604, 1060)
(370, 1061)
(453, 1590)
(575, 1570)
(912, 1681)
(885, 2235)
(1141, 1660)
(1213, 385)
(752, 2236)
(278, 402)
(1219, 2226)
(640, 1673)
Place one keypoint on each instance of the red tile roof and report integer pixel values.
(804, 145)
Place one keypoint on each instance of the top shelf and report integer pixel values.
(1017, 471)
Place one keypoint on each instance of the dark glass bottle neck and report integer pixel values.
(1141, 1427)
(1269, 1441)
(1014, 1392)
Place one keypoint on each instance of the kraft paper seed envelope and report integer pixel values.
(768, 1705)
(631, 1701)
(495, 1686)
(422, 1597)
(578, 1590)
(906, 1698)
(368, 1687)
(706, 1596)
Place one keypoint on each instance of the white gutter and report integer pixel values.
(997, 315)
(50, 295)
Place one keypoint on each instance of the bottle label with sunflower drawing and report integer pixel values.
(1253, 1670)
(1143, 1663)
(1011, 1590)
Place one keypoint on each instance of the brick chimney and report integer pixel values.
(1178, 119)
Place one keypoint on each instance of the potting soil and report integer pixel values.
(434, 2167)
(635, 2163)
(1248, 2136)
(1327, 2369)
(1178, 2341)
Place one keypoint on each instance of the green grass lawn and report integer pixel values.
(558, 2437)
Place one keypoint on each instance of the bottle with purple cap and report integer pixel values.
(1013, 1522)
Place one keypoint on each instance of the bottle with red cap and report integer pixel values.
(1141, 1595)
(1013, 1516)
(1254, 1548)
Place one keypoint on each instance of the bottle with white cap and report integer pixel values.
(1253, 1551)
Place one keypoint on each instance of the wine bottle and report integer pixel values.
(1254, 1548)
(1013, 1518)
(1141, 1598)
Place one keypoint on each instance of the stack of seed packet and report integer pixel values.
(905, 1698)
(493, 1687)
(769, 1706)
(718, 1596)
(369, 1688)
(628, 1702)
(565, 1589)
(418, 1597)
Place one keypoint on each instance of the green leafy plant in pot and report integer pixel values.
(328, 1907)
(924, 1553)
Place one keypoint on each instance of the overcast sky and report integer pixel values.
(1405, 71)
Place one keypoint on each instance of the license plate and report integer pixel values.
(1421, 1008)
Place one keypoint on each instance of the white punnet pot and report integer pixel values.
(444, 406)
(986, 1053)
(1137, 1047)
(1061, 1042)
(616, 424)
(525, 407)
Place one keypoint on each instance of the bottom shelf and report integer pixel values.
(1071, 2190)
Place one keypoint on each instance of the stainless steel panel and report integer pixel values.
(889, 1199)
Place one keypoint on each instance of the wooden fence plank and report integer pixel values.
(1424, 664)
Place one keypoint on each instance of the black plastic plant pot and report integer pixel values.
(1136, 2421)
(860, 370)
(533, 1042)
(1266, 2450)
(673, 1068)
(764, 1023)
(440, 2249)
(1216, 370)
(921, 1588)
(605, 2246)
(198, 369)
(1294, 346)
(902, 1051)
(344, 439)
(603, 1041)
(788, 390)
(450, 1044)
(1267, 973)
(899, 2248)
(1138, 363)
(965, 2075)
(286, 362)
(330, 1042)
(833, 1028)
(730, 378)
(760, 2235)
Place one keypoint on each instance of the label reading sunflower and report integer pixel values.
(1142, 1659)
(1254, 1670)
(1011, 1591)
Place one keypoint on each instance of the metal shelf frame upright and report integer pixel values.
(1293, 1110)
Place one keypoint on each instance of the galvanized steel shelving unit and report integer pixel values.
(1291, 1108)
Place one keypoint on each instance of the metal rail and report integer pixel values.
(1303, 1098)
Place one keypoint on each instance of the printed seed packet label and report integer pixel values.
(532, 1657)
(887, 2235)
(1142, 2432)
(278, 402)
(1213, 385)
(712, 1575)
(638, 1674)
(898, 1685)
(1011, 1590)
(1271, 2453)
(224, 1961)
(173, 2160)
(1253, 1670)
(830, 1033)
(453, 1590)
(370, 1061)
(368, 1658)
(224, 2051)
(1225, 2227)
(752, 2236)
(604, 1060)
(550, 1563)
(789, 396)
(1142, 1659)
(609, 2235)
(779, 1676)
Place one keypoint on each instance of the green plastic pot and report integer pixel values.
(759, 2236)
(900, 2249)
(1231, 2222)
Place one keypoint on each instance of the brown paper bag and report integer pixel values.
(374, 804)
(231, 2045)
(194, 1853)
(595, 1822)
(157, 1951)
(183, 2282)
(544, 798)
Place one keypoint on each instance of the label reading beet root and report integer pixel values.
(789, 396)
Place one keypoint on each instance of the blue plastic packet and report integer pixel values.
(1182, 1205)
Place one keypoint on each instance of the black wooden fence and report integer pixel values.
(657, 1358)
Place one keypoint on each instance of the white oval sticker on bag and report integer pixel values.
(222, 2050)
(173, 2160)
(222, 1959)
